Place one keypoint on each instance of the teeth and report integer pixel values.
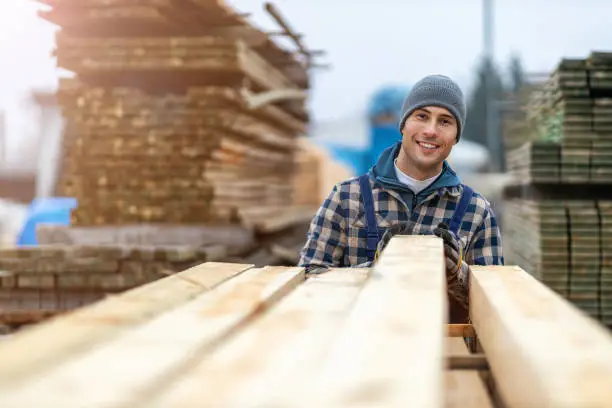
(427, 145)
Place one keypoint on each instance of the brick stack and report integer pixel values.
(558, 215)
(159, 119)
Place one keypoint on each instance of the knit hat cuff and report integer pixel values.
(433, 102)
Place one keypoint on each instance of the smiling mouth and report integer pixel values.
(428, 146)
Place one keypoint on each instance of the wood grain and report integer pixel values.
(51, 342)
(543, 352)
(464, 388)
(271, 362)
(390, 351)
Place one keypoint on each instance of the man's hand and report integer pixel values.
(402, 228)
(457, 273)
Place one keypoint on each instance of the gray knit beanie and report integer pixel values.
(436, 90)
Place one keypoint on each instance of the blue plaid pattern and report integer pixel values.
(337, 236)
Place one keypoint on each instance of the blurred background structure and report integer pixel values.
(238, 117)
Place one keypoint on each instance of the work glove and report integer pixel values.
(402, 228)
(457, 274)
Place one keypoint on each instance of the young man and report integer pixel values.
(411, 190)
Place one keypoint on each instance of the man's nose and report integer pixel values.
(430, 129)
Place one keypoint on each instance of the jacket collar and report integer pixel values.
(383, 172)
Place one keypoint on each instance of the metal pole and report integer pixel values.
(491, 127)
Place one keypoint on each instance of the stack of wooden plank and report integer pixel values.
(535, 162)
(515, 128)
(567, 167)
(565, 244)
(240, 336)
(605, 290)
(601, 162)
(316, 174)
(585, 251)
(265, 236)
(163, 122)
(307, 180)
(39, 282)
(537, 238)
(585, 162)
(573, 110)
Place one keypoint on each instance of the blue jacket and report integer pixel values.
(337, 236)
(384, 173)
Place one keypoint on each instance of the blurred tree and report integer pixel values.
(476, 123)
(516, 73)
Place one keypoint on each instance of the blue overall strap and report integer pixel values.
(368, 205)
(466, 197)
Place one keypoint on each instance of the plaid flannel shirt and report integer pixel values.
(337, 233)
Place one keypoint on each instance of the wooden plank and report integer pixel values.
(460, 330)
(19, 317)
(268, 363)
(391, 348)
(543, 352)
(464, 389)
(274, 219)
(124, 370)
(260, 70)
(48, 343)
(469, 362)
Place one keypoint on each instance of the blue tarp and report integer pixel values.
(381, 137)
(360, 160)
(53, 210)
(387, 101)
(352, 157)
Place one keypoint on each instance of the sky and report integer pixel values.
(369, 44)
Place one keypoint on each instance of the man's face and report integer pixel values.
(429, 135)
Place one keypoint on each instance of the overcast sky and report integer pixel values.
(394, 41)
(399, 41)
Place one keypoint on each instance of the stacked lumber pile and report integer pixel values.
(265, 236)
(40, 282)
(574, 104)
(555, 223)
(178, 112)
(586, 162)
(573, 112)
(307, 179)
(515, 128)
(316, 174)
(235, 236)
(250, 337)
(565, 244)
(534, 162)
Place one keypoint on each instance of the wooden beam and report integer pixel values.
(390, 352)
(461, 330)
(259, 100)
(260, 71)
(276, 219)
(275, 113)
(124, 370)
(284, 34)
(467, 362)
(287, 30)
(543, 351)
(272, 361)
(464, 388)
(49, 342)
